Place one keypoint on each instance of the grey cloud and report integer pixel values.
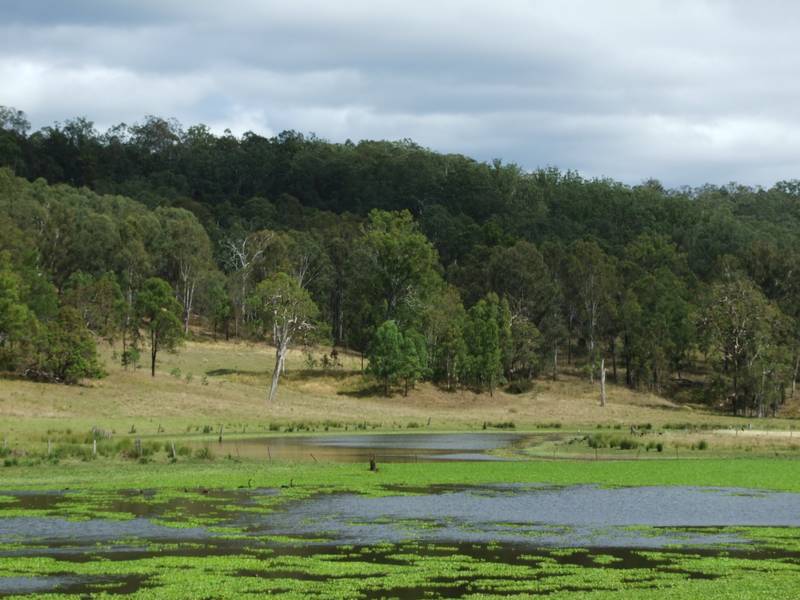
(685, 91)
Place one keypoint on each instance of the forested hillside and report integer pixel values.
(435, 266)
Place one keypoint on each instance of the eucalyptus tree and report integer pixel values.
(593, 279)
(16, 319)
(741, 327)
(386, 354)
(483, 362)
(396, 266)
(286, 312)
(443, 325)
(186, 252)
(158, 315)
(241, 254)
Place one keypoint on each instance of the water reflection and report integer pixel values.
(393, 447)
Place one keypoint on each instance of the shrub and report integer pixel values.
(203, 454)
(520, 386)
(499, 425)
(65, 350)
(130, 357)
(604, 440)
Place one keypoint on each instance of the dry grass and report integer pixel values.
(228, 383)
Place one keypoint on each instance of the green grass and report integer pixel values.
(774, 474)
(437, 569)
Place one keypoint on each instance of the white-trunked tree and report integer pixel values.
(287, 310)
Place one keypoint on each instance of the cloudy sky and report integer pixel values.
(686, 91)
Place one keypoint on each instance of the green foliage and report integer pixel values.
(414, 358)
(283, 307)
(743, 328)
(605, 440)
(582, 269)
(443, 322)
(395, 267)
(65, 350)
(158, 315)
(482, 362)
(98, 301)
(130, 357)
(16, 321)
(386, 357)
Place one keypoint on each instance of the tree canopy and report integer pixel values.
(489, 272)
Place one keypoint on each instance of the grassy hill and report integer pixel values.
(211, 383)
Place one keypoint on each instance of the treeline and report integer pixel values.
(436, 266)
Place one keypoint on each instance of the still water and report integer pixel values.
(393, 447)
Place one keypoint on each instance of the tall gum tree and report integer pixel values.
(287, 310)
(187, 252)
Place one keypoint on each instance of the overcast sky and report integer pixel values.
(687, 91)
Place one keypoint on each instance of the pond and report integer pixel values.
(393, 447)
(571, 516)
(331, 539)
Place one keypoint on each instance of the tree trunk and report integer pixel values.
(153, 352)
(628, 374)
(125, 347)
(555, 361)
(569, 350)
(602, 382)
(614, 360)
(127, 326)
(189, 285)
(276, 374)
(449, 370)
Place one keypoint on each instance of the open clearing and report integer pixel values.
(208, 384)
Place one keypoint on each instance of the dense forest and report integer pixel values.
(435, 266)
